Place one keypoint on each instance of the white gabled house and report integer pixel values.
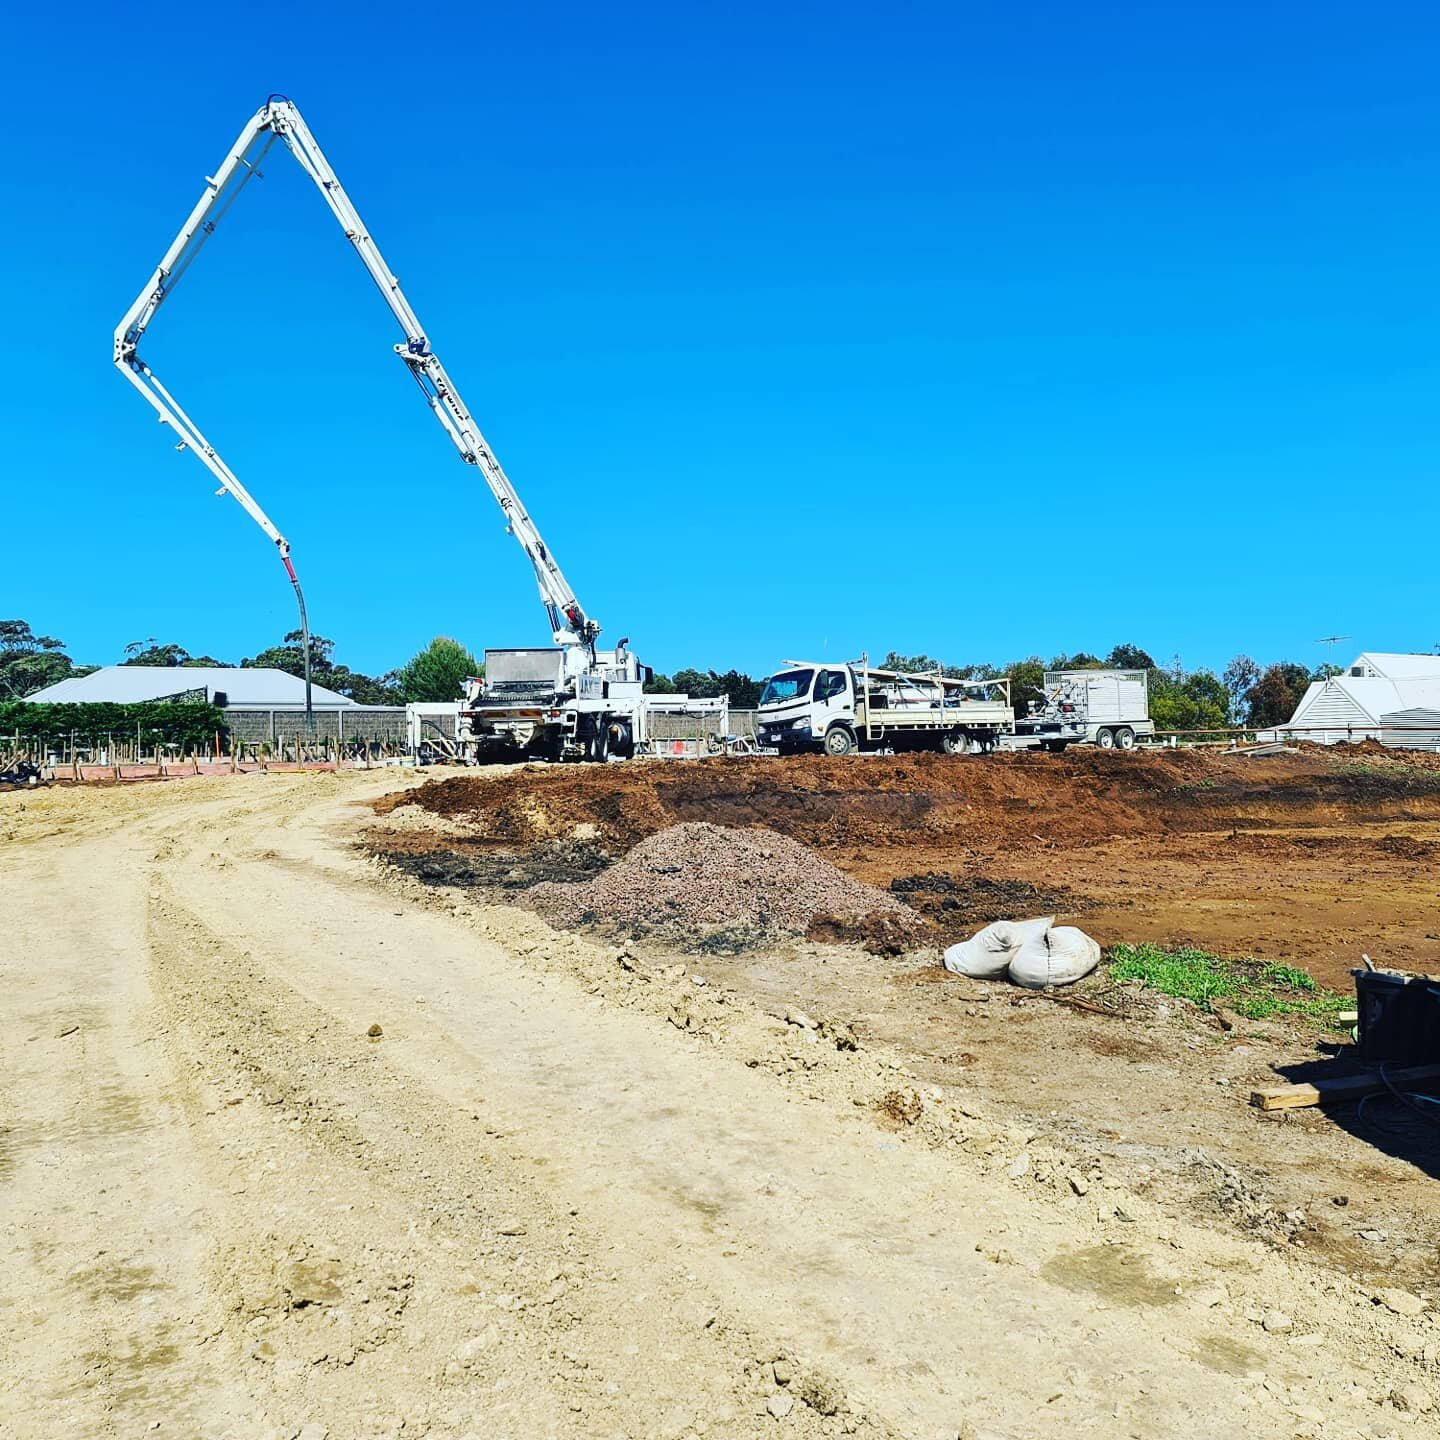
(218, 684)
(1366, 700)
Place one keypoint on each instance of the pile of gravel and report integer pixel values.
(699, 874)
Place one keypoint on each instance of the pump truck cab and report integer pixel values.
(837, 708)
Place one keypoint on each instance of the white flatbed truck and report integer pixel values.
(840, 707)
(1106, 708)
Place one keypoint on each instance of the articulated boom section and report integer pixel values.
(279, 119)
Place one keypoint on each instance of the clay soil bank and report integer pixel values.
(1309, 858)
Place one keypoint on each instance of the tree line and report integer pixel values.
(186, 724)
(1245, 693)
(29, 662)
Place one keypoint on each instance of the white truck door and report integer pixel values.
(834, 700)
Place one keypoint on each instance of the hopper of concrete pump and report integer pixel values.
(512, 674)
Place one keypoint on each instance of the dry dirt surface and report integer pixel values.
(295, 1145)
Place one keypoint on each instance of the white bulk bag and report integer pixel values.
(1058, 957)
(987, 954)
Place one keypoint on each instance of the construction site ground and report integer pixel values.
(312, 1126)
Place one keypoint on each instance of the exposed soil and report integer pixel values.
(1310, 858)
(699, 875)
(976, 900)
(560, 862)
(294, 1144)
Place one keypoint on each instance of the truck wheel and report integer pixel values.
(955, 743)
(1105, 739)
(1124, 738)
(839, 741)
(599, 747)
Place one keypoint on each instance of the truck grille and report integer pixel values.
(508, 692)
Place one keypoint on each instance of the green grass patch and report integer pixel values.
(1253, 988)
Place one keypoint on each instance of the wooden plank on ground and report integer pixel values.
(1341, 1089)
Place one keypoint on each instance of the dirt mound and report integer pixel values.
(839, 803)
(1310, 857)
(698, 874)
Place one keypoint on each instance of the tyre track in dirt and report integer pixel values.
(106, 1213)
(863, 1254)
(388, 1269)
(356, 1249)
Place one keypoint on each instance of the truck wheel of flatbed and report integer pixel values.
(1105, 738)
(839, 741)
(956, 743)
(1124, 738)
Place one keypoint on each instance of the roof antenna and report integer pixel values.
(1332, 670)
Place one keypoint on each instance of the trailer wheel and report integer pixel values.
(839, 741)
(1105, 739)
(1125, 738)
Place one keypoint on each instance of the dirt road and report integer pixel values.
(558, 1193)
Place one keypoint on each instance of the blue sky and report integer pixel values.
(978, 329)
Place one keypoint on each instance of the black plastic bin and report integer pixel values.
(1399, 1017)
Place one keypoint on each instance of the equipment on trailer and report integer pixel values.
(837, 708)
(583, 670)
(1108, 708)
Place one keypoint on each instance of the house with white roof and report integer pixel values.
(224, 685)
(263, 707)
(1391, 698)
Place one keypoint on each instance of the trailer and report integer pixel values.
(837, 708)
(1108, 708)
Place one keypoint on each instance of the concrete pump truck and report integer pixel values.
(572, 701)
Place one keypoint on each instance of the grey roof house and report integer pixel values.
(257, 689)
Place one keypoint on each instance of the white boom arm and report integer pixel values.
(279, 118)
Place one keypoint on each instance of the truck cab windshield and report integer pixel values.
(792, 685)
